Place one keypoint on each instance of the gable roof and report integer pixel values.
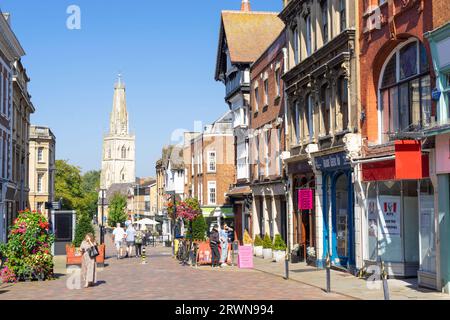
(247, 35)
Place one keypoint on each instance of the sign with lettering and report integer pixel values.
(332, 161)
(305, 199)
(390, 215)
(245, 257)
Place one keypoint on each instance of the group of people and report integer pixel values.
(128, 239)
(220, 237)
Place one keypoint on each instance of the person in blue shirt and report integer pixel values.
(223, 236)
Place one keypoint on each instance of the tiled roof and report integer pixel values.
(248, 34)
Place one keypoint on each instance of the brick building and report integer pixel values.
(267, 141)
(210, 169)
(396, 171)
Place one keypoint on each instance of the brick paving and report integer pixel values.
(164, 278)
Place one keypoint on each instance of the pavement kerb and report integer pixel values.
(308, 284)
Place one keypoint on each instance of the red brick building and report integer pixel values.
(267, 141)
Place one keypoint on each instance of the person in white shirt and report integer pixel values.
(118, 237)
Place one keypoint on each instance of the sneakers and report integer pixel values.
(223, 265)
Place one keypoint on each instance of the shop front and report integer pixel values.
(218, 215)
(399, 218)
(303, 220)
(338, 210)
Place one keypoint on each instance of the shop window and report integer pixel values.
(427, 227)
(405, 92)
(372, 222)
(410, 220)
(342, 216)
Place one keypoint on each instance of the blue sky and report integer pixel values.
(166, 51)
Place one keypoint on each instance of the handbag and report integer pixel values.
(93, 251)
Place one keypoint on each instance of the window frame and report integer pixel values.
(210, 157)
(212, 185)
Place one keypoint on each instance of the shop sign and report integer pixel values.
(390, 215)
(305, 199)
(245, 257)
(332, 161)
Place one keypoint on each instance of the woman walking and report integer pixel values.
(88, 264)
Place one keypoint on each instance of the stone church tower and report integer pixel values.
(118, 163)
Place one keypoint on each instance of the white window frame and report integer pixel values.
(40, 182)
(212, 185)
(40, 154)
(212, 160)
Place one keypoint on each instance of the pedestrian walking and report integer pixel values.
(214, 243)
(224, 238)
(131, 233)
(88, 263)
(118, 237)
(138, 242)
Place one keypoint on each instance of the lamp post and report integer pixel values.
(102, 227)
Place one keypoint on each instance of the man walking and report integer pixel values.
(214, 243)
(131, 233)
(118, 238)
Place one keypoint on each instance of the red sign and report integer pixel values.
(305, 199)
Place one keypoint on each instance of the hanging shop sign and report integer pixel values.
(305, 199)
(390, 215)
(332, 161)
(408, 159)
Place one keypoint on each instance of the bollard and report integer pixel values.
(143, 257)
(328, 269)
(385, 282)
(286, 266)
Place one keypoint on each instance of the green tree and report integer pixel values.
(117, 208)
(199, 228)
(68, 185)
(84, 226)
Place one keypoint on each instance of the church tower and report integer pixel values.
(118, 163)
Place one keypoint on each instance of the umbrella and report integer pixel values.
(147, 221)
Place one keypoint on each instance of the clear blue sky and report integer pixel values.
(166, 51)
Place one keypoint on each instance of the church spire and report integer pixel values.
(245, 6)
(119, 115)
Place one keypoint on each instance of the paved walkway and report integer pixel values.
(347, 284)
(164, 278)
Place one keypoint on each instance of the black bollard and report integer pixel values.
(144, 258)
(286, 266)
(328, 270)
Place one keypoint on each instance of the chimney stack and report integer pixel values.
(245, 6)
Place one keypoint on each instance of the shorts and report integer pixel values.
(130, 243)
(118, 244)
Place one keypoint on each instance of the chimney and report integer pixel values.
(245, 6)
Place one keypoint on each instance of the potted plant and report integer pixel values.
(279, 249)
(247, 239)
(267, 247)
(258, 246)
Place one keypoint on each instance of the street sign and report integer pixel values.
(56, 205)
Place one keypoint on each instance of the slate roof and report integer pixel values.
(121, 188)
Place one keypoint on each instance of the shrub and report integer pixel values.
(258, 241)
(247, 238)
(28, 250)
(267, 242)
(84, 226)
(279, 244)
(199, 228)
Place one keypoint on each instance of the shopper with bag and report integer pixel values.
(89, 265)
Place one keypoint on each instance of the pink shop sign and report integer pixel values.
(245, 257)
(305, 199)
(443, 153)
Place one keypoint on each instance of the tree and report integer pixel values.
(199, 228)
(84, 226)
(68, 185)
(117, 208)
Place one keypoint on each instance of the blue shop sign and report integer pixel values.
(332, 161)
(435, 94)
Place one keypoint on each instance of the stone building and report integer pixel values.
(321, 84)
(243, 37)
(41, 167)
(267, 141)
(10, 52)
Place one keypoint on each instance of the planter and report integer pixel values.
(279, 255)
(258, 251)
(267, 253)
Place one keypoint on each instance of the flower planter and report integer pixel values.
(278, 255)
(267, 253)
(258, 251)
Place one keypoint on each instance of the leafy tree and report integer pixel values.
(84, 226)
(68, 185)
(117, 207)
(199, 228)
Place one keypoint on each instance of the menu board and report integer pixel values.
(390, 215)
(245, 257)
(305, 199)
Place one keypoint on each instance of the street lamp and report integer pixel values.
(102, 227)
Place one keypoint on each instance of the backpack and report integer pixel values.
(138, 237)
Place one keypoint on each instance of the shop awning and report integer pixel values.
(409, 164)
(239, 191)
(210, 212)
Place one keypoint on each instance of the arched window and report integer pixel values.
(325, 110)
(404, 90)
(124, 152)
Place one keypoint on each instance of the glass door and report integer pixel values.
(341, 222)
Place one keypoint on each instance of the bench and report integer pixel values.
(75, 260)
